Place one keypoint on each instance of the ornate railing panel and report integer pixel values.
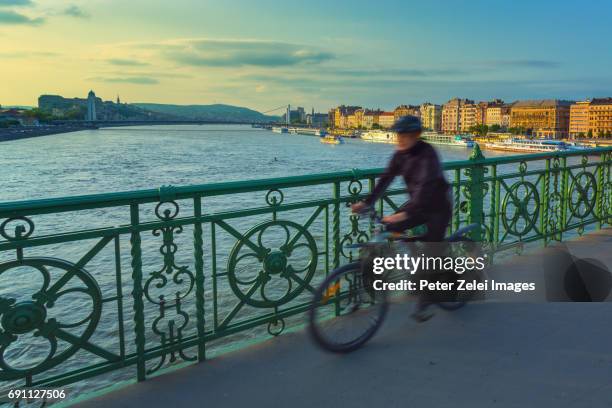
(132, 283)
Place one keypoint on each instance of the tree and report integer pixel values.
(375, 126)
(494, 128)
(600, 134)
(39, 114)
(590, 134)
(608, 134)
(480, 130)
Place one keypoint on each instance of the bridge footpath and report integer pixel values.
(485, 355)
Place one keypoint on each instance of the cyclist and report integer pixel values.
(429, 204)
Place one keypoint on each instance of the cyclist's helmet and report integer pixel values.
(407, 124)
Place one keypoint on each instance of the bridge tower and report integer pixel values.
(288, 116)
(91, 107)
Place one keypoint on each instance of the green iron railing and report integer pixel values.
(131, 283)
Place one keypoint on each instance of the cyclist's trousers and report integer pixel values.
(436, 223)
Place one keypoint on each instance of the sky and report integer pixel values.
(263, 54)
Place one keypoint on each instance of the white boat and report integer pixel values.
(278, 129)
(527, 145)
(456, 140)
(379, 136)
(576, 146)
(464, 141)
(307, 131)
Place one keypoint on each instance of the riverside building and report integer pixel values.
(548, 118)
(451, 115)
(591, 118)
(431, 116)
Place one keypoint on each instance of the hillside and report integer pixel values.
(208, 112)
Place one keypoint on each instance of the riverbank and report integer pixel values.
(16, 133)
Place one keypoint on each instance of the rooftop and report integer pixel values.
(541, 103)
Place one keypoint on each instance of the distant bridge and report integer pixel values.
(116, 123)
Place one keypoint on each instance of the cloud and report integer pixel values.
(127, 62)
(137, 80)
(150, 74)
(27, 54)
(397, 72)
(527, 63)
(16, 3)
(75, 11)
(238, 53)
(14, 18)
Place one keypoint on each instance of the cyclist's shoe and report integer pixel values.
(422, 312)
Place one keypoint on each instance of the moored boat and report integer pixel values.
(279, 129)
(527, 145)
(379, 136)
(331, 139)
(456, 140)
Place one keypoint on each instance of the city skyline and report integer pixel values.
(320, 55)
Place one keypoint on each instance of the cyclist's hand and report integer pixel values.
(358, 207)
(397, 217)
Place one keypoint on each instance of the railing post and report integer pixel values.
(564, 196)
(137, 292)
(476, 187)
(544, 203)
(601, 208)
(336, 225)
(198, 243)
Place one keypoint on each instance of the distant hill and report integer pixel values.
(209, 112)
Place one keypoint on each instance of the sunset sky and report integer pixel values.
(263, 54)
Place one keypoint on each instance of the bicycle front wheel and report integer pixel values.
(346, 310)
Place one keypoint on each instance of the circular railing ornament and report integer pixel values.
(30, 317)
(274, 197)
(272, 277)
(23, 228)
(582, 194)
(520, 208)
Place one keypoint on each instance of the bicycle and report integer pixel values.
(347, 300)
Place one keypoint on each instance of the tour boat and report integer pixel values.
(278, 129)
(379, 136)
(457, 140)
(527, 145)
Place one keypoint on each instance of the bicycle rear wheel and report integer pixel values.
(465, 247)
(346, 310)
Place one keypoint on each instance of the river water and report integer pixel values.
(132, 158)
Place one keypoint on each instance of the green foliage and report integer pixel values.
(590, 134)
(7, 123)
(479, 130)
(39, 114)
(494, 128)
(519, 130)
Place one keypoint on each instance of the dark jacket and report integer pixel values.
(422, 172)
